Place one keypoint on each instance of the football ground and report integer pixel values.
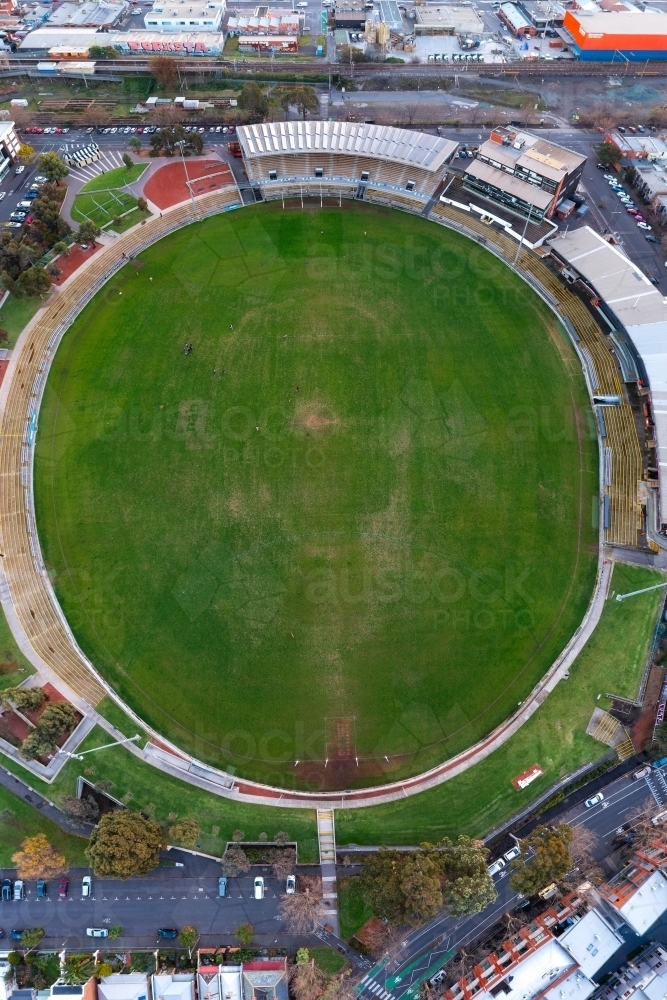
(341, 538)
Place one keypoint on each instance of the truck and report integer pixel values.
(235, 149)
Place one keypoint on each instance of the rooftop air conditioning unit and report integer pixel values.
(520, 143)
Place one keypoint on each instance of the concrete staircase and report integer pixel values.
(326, 838)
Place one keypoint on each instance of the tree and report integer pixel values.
(303, 911)
(196, 143)
(658, 748)
(245, 933)
(78, 969)
(186, 832)
(85, 809)
(550, 860)
(34, 282)
(134, 142)
(62, 248)
(188, 936)
(235, 862)
(252, 99)
(142, 204)
(128, 161)
(304, 99)
(88, 232)
(25, 151)
(468, 886)
(59, 717)
(31, 938)
(420, 885)
(608, 153)
(165, 71)
(14, 958)
(38, 744)
(281, 838)
(38, 859)
(380, 882)
(52, 167)
(284, 862)
(102, 52)
(103, 969)
(25, 699)
(306, 981)
(4, 336)
(124, 844)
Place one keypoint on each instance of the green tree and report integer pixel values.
(103, 969)
(25, 699)
(124, 844)
(88, 232)
(52, 167)
(608, 154)
(102, 52)
(128, 161)
(60, 717)
(14, 958)
(196, 143)
(420, 886)
(34, 282)
(245, 933)
(468, 886)
(134, 142)
(304, 99)
(31, 938)
(78, 969)
(380, 880)
(252, 99)
(38, 744)
(62, 248)
(550, 859)
(185, 832)
(188, 936)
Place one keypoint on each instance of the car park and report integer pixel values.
(594, 800)
(19, 889)
(514, 852)
(96, 932)
(167, 932)
(86, 886)
(6, 890)
(497, 866)
(290, 885)
(258, 887)
(222, 886)
(63, 886)
(41, 889)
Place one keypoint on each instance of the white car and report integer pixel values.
(513, 853)
(97, 932)
(594, 800)
(496, 867)
(258, 886)
(86, 886)
(302, 3)
(290, 885)
(19, 170)
(643, 225)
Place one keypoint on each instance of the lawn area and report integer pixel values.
(20, 820)
(353, 909)
(348, 517)
(134, 217)
(14, 667)
(106, 196)
(327, 960)
(15, 314)
(555, 737)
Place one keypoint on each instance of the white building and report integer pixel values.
(182, 15)
(179, 986)
(133, 986)
(9, 147)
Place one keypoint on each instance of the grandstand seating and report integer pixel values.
(626, 465)
(28, 581)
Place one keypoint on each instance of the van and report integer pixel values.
(259, 887)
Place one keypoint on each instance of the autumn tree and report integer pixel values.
(306, 981)
(38, 859)
(302, 912)
(52, 167)
(245, 933)
(550, 859)
(85, 808)
(165, 71)
(26, 151)
(185, 832)
(124, 844)
(235, 862)
(188, 937)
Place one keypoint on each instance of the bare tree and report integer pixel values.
(303, 911)
(639, 821)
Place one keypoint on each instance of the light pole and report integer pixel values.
(523, 235)
(117, 743)
(187, 179)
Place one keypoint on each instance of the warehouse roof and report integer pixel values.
(88, 13)
(642, 310)
(46, 38)
(529, 193)
(631, 22)
(411, 148)
(450, 17)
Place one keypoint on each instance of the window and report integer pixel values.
(319, 172)
(273, 175)
(365, 175)
(410, 186)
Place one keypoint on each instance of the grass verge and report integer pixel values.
(353, 910)
(15, 314)
(14, 667)
(327, 960)
(20, 820)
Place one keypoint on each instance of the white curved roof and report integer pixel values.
(418, 149)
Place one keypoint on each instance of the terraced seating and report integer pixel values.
(27, 579)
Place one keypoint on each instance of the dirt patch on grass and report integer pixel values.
(315, 417)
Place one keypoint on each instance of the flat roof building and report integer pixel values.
(639, 147)
(448, 19)
(179, 15)
(87, 15)
(636, 35)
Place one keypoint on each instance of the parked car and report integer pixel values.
(594, 800)
(19, 169)
(11, 225)
(513, 853)
(290, 885)
(258, 886)
(600, 166)
(63, 886)
(644, 225)
(15, 934)
(662, 760)
(97, 932)
(41, 889)
(497, 866)
(86, 886)
(222, 886)
(19, 889)
(3, 194)
(25, 204)
(167, 932)
(6, 890)
(40, 179)
(651, 238)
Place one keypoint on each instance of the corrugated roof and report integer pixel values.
(605, 24)
(416, 149)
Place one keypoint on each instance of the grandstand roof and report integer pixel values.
(529, 193)
(639, 307)
(416, 149)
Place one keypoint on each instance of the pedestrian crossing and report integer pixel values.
(109, 160)
(370, 985)
(658, 785)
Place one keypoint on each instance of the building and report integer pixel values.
(130, 986)
(9, 147)
(344, 159)
(542, 14)
(77, 40)
(274, 22)
(652, 185)
(637, 315)
(514, 19)
(192, 43)
(524, 173)
(181, 15)
(265, 979)
(177, 986)
(601, 36)
(268, 43)
(449, 19)
(644, 978)
(639, 147)
(36, 15)
(352, 18)
(87, 15)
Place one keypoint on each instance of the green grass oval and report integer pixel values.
(353, 525)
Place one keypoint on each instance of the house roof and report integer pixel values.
(591, 942)
(540, 972)
(649, 902)
(416, 149)
(133, 986)
(176, 987)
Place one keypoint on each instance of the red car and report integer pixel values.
(62, 887)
